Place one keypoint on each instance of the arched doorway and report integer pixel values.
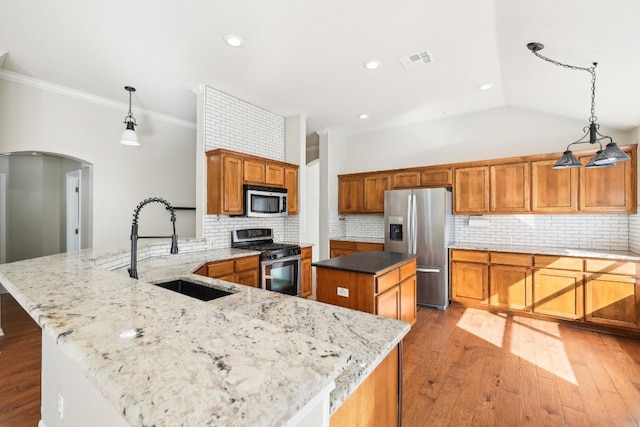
(36, 219)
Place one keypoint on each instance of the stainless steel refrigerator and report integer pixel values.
(420, 221)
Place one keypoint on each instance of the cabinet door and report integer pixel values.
(611, 189)
(388, 303)
(274, 175)
(291, 183)
(510, 287)
(612, 300)
(231, 185)
(350, 195)
(220, 269)
(509, 187)
(407, 179)
(469, 282)
(305, 285)
(436, 178)
(553, 190)
(254, 172)
(408, 300)
(471, 190)
(558, 293)
(374, 188)
(247, 278)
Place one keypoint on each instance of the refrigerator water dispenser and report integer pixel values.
(395, 228)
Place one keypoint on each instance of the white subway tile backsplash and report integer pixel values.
(236, 125)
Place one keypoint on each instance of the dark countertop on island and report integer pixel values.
(368, 262)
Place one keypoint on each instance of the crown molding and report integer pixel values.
(87, 97)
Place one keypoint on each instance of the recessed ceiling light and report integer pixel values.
(233, 40)
(372, 64)
(485, 86)
(363, 116)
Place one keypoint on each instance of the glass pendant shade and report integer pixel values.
(568, 160)
(129, 136)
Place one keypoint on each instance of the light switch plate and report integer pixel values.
(343, 292)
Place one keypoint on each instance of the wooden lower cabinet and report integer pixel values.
(306, 272)
(243, 270)
(469, 282)
(343, 247)
(408, 306)
(388, 303)
(510, 287)
(377, 401)
(558, 293)
(612, 300)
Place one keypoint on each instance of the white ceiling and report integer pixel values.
(306, 56)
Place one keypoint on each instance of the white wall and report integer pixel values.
(35, 119)
(496, 133)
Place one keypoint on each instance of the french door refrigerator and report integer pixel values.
(420, 222)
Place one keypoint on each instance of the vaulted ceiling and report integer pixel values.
(306, 57)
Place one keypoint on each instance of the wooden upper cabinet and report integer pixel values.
(553, 190)
(350, 194)
(405, 179)
(509, 187)
(274, 175)
(374, 188)
(224, 184)
(610, 189)
(471, 190)
(291, 184)
(254, 172)
(436, 177)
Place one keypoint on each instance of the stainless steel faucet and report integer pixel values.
(133, 271)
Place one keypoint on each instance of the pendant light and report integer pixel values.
(606, 157)
(129, 135)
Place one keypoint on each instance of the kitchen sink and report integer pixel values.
(194, 290)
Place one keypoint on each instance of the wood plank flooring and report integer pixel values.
(462, 367)
(469, 367)
(20, 359)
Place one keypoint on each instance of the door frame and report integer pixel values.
(3, 218)
(73, 210)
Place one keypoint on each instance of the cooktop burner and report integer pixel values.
(261, 239)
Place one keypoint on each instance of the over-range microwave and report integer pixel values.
(262, 201)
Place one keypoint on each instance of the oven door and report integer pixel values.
(281, 275)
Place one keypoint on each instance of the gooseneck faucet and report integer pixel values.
(133, 271)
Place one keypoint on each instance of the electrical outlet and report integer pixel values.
(60, 405)
(343, 292)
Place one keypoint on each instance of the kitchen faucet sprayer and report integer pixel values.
(133, 271)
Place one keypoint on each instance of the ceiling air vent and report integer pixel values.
(416, 60)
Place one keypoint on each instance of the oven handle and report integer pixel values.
(273, 261)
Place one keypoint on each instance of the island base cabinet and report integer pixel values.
(83, 404)
(612, 300)
(388, 303)
(376, 402)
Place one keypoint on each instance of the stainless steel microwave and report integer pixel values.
(264, 201)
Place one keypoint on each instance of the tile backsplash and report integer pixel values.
(606, 232)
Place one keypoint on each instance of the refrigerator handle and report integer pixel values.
(409, 225)
(414, 224)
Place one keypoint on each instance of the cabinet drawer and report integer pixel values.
(387, 280)
(473, 256)
(407, 270)
(511, 259)
(339, 244)
(221, 268)
(363, 246)
(557, 262)
(610, 267)
(246, 263)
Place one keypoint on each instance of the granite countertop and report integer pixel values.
(368, 262)
(583, 253)
(253, 358)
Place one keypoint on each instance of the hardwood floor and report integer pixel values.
(462, 367)
(468, 367)
(20, 359)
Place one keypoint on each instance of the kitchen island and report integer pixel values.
(156, 357)
(382, 283)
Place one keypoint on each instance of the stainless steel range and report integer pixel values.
(279, 262)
